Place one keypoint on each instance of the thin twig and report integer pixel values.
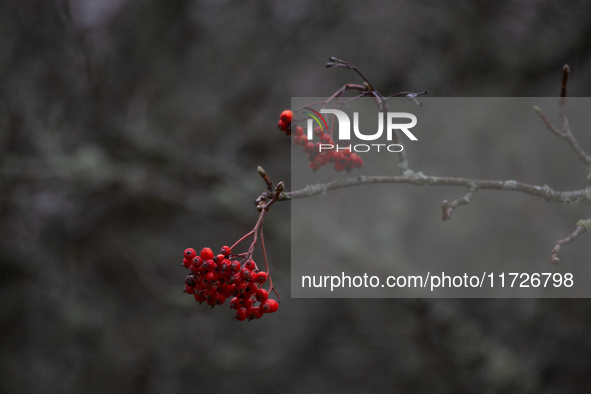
(582, 226)
(565, 134)
(271, 287)
(448, 208)
(564, 80)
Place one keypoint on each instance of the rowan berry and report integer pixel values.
(207, 254)
(225, 250)
(245, 274)
(197, 261)
(286, 116)
(199, 297)
(190, 280)
(262, 295)
(189, 289)
(251, 288)
(196, 270)
(210, 300)
(208, 265)
(211, 276)
(235, 266)
(255, 313)
(299, 131)
(309, 147)
(219, 299)
(186, 263)
(303, 139)
(225, 265)
(235, 303)
(269, 306)
(241, 286)
(250, 265)
(228, 290)
(241, 314)
(261, 277)
(190, 253)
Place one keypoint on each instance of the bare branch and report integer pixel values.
(419, 179)
(582, 226)
(566, 132)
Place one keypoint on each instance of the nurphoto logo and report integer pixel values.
(344, 130)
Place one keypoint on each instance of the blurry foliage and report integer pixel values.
(132, 130)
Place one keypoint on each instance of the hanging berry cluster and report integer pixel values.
(285, 121)
(213, 279)
(342, 158)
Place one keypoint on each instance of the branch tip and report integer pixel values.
(582, 226)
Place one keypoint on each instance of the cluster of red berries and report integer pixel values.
(343, 159)
(213, 279)
(285, 121)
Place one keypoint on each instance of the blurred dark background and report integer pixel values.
(132, 130)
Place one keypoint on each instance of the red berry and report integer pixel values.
(262, 295)
(241, 314)
(210, 301)
(309, 147)
(211, 276)
(199, 297)
(358, 162)
(250, 265)
(207, 254)
(261, 277)
(326, 138)
(208, 265)
(189, 289)
(225, 250)
(235, 266)
(186, 263)
(299, 131)
(245, 274)
(320, 159)
(225, 265)
(190, 253)
(286, 116)
(255, 313)
(251, 289)
(269, 306)
(228, 290)
(219, 299)
(318, 131)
